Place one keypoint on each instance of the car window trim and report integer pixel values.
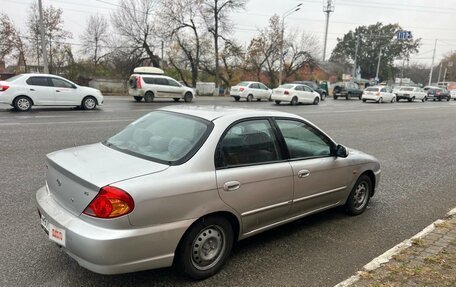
(217, 148)
(332, 147)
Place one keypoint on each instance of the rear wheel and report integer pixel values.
(149, 97)
(89, 103)
(277, 102)
(335, 97)
(137, 98)
(294, 101)
(393, 99)
(364, 100)
(258, 100)
(205, 247)
(22, 103)
(347, 97)
(423, 99)
(249, 98)
(188, 97)
(359, 197)
(237, 99)
(448, 99)
(380, 100)
(323, 96)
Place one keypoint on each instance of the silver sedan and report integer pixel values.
(181, 185)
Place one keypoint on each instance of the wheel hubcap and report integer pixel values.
(23, 104)
(208, 247)
(360, 196)
(90, 103)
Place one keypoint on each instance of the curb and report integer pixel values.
(386, 257)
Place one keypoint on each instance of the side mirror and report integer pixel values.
(341, 151)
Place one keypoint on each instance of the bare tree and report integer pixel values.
(95, 39)
(134, 21)
(217, 22)
(7, 34)
(182, 22)
(301, 50)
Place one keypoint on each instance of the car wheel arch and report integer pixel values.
(371, 176)
(15, 98)
(85, 97)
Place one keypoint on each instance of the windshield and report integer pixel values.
(161, 136)
(243, 84)
(312, 85)
(12, 79)
(371, 89)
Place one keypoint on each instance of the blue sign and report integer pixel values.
(404, 35)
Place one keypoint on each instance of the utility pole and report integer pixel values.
(328, 7)
(378, 64)
(440, 73)
(43, 39)
(432, 65)
(356, 56)
(282, 59)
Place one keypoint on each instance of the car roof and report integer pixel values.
(41, 75)
(211, 113)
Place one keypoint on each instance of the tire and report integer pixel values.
(149, 97)
(380, 100)
(258, 100)
(294, 101)
(360, 195)
(270, 99)
(409, 100)
(249, 98)
(237, 99)
(393, 99)
(323, 96)
(360, 97)
(277, 102)
(347, 97)
(176, 99)
(413, 99)
(192, 256)
(188, 97)
(448, 99)
(89, 103)
(364, 100)
(22, 103)
(316, 101)
(423, 99)
(138, 98)
(335, 97)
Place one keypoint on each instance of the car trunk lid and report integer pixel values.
(74, 176)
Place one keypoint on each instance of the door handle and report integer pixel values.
(32, 90)
(231, 185)
(303, 173)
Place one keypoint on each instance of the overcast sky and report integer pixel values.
(427, 19)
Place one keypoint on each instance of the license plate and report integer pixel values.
(57, 234)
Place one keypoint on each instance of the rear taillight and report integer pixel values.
(286, 92)
(3, 88)
(110, 202)
(377, 94)
(241, 89)
(138, 82)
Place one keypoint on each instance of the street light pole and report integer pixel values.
(378, 64)
(356, 56)
(432, 64)
(328, 7)
(43, 39)
(282, 59)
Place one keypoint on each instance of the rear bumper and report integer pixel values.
(370, 98)
(113, 251)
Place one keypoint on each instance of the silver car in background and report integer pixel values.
(181, 184)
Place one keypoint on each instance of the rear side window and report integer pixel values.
(12, 79)
(39, 81)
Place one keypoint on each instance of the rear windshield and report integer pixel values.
(243, 84)
(286, 86)
(371, 89)
(407, 89)
(161, 136)
(12, 79)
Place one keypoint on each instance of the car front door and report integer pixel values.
(252, 176)
(65, 92)
(162, 87)
(320, 178)
(308, 93)
(40, 90)
(265, 92)
(175, 89)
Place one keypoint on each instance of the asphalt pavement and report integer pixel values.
(415, 143)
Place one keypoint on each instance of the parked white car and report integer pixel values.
(294, 94)
(410, 94)
(453, 94)
(149, 83)
(378, 94)
(250, 91)
(26, 90)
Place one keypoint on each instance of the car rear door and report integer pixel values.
(320, 178)
(162, 87)
(40, 89)
(252, 176)
(65, 92)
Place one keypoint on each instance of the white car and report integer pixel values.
(379, 94)
(149, 83)
(26, 90)
(453, 94)
(410, 94)
(250, 91)
(294, 94)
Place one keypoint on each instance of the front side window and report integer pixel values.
(38, 81)
(254, 86)
(303, 141)
(173, 83)
(59, 83)
(246, 143)
(263, 86)
(162, 136)
(307, 89)
(383, 90)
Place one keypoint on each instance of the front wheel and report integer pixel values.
(380, 100)
(188, 97)
(249, 98)
(205, 247)
(323, 96)
(149, 97)
(393, 99)
(360, 195)
(423, 99)
(294, 101)
(89, 103)
(316, 101)
(364, 100)
(277, 102)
